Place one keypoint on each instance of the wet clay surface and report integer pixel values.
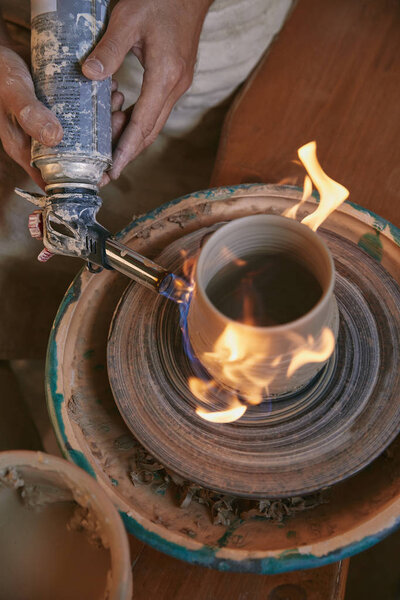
(44, 555)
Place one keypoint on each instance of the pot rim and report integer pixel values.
(321, 304)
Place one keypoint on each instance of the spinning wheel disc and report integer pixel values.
(285, 447)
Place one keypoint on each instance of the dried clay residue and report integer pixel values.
(223, 509)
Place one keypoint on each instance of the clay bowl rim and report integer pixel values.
(121, 588)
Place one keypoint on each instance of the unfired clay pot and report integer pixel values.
(272, 348)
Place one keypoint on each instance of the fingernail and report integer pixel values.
(94, 65)
(49, 134)
(104, 180)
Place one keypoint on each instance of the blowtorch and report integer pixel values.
(63, 33)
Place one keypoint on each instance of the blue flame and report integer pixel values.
(180, 291)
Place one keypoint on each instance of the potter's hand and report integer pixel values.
(164, 35)
(22, 116)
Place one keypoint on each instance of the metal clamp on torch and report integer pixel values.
(63, 33)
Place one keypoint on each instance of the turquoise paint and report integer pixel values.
(56, 398)
(291, 534)
(80, 459)
(379, 222)
(395, 233)
(224, 192)
(114, 482)
(371, 243)
(291, 560)
(223, 540)
(315, 195)
(150, 216)
(217, 193)
(206, 556)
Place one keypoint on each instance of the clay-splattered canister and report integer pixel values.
(63, 34)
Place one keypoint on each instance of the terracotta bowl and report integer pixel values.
(36, 471)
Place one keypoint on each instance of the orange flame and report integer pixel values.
(235, 350)
(223, 416)
(238, 356)
(203, 391)
(332, 194)
(314, 351)
(291, 212)
(227, 253)
(189, 265)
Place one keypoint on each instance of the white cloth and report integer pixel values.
(235, 35)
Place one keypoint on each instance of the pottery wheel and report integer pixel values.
(286, 447)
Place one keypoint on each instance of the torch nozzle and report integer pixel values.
(134, 265)
(144, 271)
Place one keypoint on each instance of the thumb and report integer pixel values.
(111, 50)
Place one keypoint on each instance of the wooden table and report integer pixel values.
(333, 75)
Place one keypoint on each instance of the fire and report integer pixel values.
(189, 265)
(235, 351)
(239, 359)
(313, 351)
(332, 194)
(291, 213)
(223, 416)
(227, 253)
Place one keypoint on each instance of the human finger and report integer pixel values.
(18, 98)
(117, 100)
(16, 144)
(164, 82)
(119, 120)
(115, 44)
